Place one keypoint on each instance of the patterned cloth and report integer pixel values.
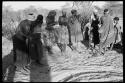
(95, 32)
(63, 35)
(50, 34)
(50, 37)
(63, 30)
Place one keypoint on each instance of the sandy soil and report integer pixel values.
(74, 66)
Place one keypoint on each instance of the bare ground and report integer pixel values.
(73, 67)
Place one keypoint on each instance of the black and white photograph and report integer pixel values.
(62, 41)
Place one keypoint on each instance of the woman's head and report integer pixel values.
(116, 19)
(52, 13)
(37, 23)
(39, 19)
(106, 11)
(74, 12)
(64, 13)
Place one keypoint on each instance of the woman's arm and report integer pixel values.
(100, 25)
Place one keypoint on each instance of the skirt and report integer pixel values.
(50, 37)
(35, 47)
(20, 50)
(63, 35)
(95, 38)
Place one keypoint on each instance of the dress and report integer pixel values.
(35, 46)
(107, 31)
(95, 32)
(51, 32)
(75, 28)
(63, 31)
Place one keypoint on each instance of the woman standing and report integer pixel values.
(107, 31)
(95, 22)
(63, 38)
(21, 42)
(75, 27)
(51, 35)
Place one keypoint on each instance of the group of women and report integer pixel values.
(27, 40)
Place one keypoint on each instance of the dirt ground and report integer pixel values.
(73, 66)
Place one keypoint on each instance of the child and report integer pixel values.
(118, 30)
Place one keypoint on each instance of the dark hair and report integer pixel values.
(73, 11)
(106, 10)
(116, 18)
(39, 19)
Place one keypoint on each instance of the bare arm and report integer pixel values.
(100, 25)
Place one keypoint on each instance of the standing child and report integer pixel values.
(118, 30)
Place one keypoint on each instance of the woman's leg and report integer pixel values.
(112, 44)
(69, 34)
(100, 49)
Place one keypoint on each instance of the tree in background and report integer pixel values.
(11, 19)
(85, 8)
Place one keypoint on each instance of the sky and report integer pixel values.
(17, 5)
(25, 4)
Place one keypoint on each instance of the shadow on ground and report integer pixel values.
(118, 48)
(40, 73)
(35, 73)
(7, 66)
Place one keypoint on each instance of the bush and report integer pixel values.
(8, 31)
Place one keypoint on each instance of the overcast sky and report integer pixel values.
(17, 5)
(24, 4)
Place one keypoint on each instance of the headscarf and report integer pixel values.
(106, 10)
(39, 19)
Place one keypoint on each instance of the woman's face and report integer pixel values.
(64, 13)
